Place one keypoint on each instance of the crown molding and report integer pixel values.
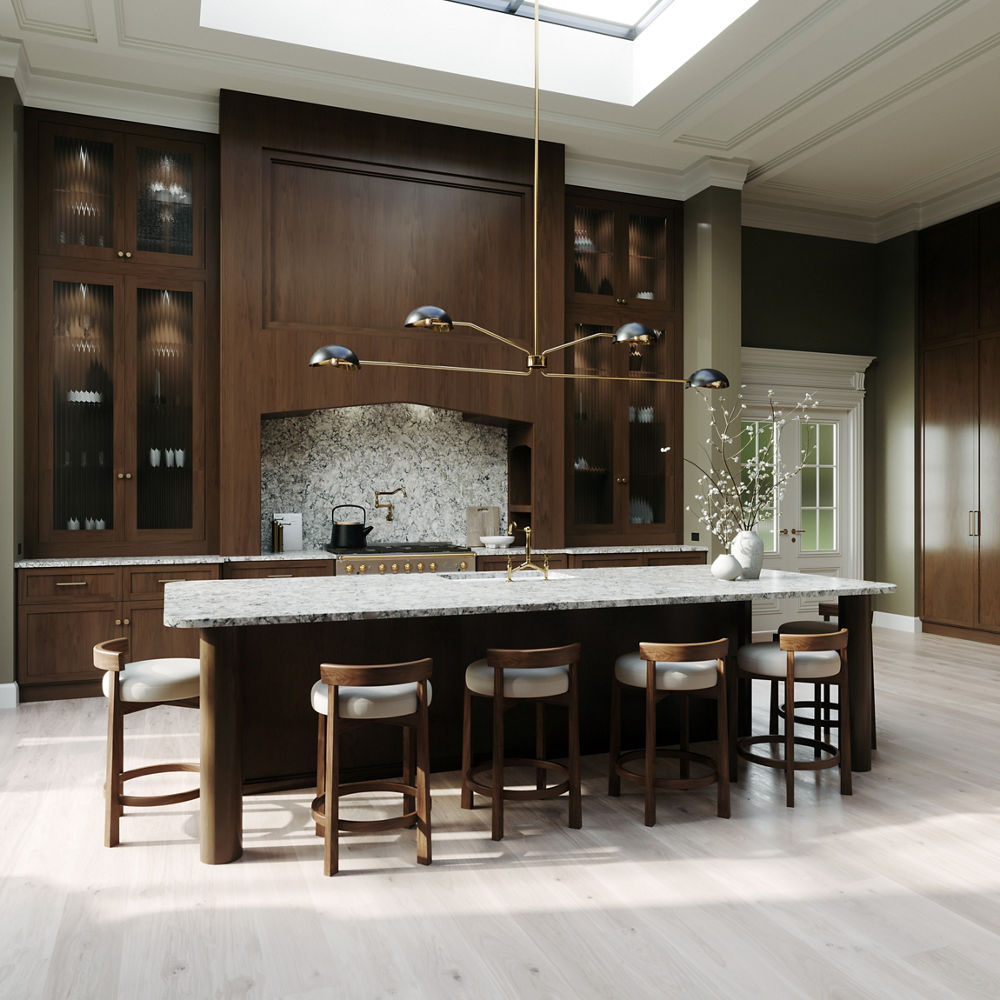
(679, 185)
(14, 64)
(840, 373)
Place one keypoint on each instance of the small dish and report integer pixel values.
(496, 541)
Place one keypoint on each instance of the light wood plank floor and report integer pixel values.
(890, 893)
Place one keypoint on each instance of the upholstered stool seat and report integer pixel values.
(517, 676)
(348, 696)
(134, 687)
(817, 657)
(661, 670)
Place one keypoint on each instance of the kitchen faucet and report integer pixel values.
(388, 505)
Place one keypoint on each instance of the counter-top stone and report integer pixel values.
(226, 603)
(588, 550)
(82, 562)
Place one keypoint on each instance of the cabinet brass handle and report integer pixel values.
(176, 579)
(288, 576)
(118, 621)
(128, 475)
(128, 254)
(126, 622)
(121, 475)
(71, 583)
(121, 253)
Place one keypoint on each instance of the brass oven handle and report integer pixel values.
(176, 579)
(280, 576)
(71, 583)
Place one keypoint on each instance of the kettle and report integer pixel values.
(349, 534)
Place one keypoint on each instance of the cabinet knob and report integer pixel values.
(361, 569)
(121, 253)
(126, 622)
(420, 567)
(395, 567)
(118, 621)
(121, 475)
(621, 481)
(128, 475)
(463, 565)
(350, 568)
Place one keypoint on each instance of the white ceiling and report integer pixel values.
(853, 118)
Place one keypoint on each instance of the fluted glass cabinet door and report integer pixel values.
(652, 425)
(165, 371)
(82, 442)
(648, 260)
(593, 252)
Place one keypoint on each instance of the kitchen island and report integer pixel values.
(262, 642)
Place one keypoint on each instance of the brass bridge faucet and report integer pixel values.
(387, 506)
(527, 564)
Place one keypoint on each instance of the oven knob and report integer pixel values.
(420, 567)
(395, 567)
(434, 566)
(381, 567)
(462, 566)
(349, 568)
(362, 567)
(406, 567)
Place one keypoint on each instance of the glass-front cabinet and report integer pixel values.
(120, 418)
(110, 196)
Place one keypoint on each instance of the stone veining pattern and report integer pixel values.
(317, 599)
(312, 462)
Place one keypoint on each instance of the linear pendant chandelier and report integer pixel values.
(437, 319)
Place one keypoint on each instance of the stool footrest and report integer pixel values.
(779, 741)
(407, 819)
(639, 778)
(522, 794)
(149, 801)
(825, 722)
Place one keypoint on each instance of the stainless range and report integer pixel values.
(413, 557)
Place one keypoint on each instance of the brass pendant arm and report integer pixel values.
(490, 333)
(442, 368)
(615, 378)
(573, 343)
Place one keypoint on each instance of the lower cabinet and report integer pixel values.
(282, 569)
(595, 560)
(491, 564)
(64, 613)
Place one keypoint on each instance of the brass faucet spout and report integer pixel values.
(388, 505)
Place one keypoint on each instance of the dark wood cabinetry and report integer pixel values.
(960, 419)
(623, 438)
(120, 298)
(277, 569)
(64, 613)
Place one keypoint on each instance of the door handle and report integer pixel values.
(973, 523)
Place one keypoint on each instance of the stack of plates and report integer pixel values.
(640, 511)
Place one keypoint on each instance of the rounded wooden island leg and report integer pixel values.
(221, 818)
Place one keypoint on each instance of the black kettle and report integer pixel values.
(349, 534)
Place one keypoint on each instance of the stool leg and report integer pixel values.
(821, 695)
(615, 742)
(650, 777)
(790, 733)
(773, 723)
(874, 740)
(466, 749)
(844, 736)
(409, 766)
(115, 765)
(320, 763)
(685, 765)
(497, 832)
(331, 835)
(575, 803)
(423, 784)
(540, 745)
(722, 748)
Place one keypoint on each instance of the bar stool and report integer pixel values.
(346, 697)
(511, 677)
(134, 687)
(678, 669)
(794, 658)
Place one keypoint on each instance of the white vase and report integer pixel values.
(748, 549)
(727, 567)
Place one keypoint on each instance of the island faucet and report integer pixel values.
(387, 505)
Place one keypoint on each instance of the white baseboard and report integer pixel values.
(8, 695)
(901, 623)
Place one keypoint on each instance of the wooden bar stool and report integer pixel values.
(511, 677)
(346, 697)
(134, 687)
(678, 669)
(792, 658)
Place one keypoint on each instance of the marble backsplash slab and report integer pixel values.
(312, 462)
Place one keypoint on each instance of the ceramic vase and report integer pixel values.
(727, 567)
(748, 549)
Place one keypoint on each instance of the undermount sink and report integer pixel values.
(525, 576)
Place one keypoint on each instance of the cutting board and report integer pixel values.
(481, 521)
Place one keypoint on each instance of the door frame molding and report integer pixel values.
(838, 382)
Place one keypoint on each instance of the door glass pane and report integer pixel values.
(757, 442)
(593, 251)
(82, 403)
(649, 432)
(647, 257)
(164, 215)
(165, 384)
(819, 487)
(591, 448)
(82, 196)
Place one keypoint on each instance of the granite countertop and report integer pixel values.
(82, 561)
(222, 603)
(581, 550)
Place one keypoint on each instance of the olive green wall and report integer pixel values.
(810, 293)
(11, 436)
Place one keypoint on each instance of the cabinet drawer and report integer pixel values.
(676, 559)
(596, 559)
(48, 585)
(148, 581)
(277, 570)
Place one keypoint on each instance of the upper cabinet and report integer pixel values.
(107, 195)
(624, 438)
(621, 253)
(120, 306)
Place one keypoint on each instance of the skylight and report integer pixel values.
(618, 18)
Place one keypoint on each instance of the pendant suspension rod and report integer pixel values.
(535, 193)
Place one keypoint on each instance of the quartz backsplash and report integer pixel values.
(312, 462)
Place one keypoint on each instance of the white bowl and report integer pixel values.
(496, 541)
